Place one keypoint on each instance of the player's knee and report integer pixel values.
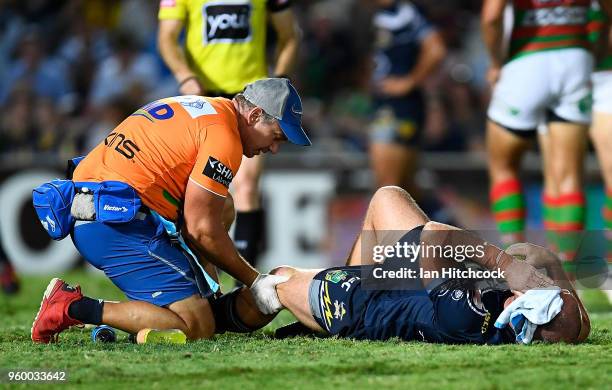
(388, 194)
(196, 329)
(198, 320)
(391, 196)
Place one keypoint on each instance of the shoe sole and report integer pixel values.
(46, 295)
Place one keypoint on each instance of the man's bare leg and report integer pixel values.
(391, 214)
(505, 151)
(568, 146)
(192, 315)
(293, 294)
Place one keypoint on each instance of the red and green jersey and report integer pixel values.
(597, 25)
(541, 25)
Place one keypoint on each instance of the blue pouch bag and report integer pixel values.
(52, 202)
(116, 202)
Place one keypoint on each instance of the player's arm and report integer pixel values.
(519, 275)
(433, 51)
(173, 55)
(541, 257)
(431, 54)
(203, 214)
(288, 35)
(204, 229)
(492, 28)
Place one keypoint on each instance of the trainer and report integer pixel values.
(180, 155)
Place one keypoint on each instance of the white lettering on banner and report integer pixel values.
(14, 193)
(297, 205)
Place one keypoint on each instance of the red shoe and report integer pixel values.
(52, 317)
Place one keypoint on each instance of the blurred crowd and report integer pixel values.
(71, 70)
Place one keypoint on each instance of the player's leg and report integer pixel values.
(568, 125)
(248, 233)
(517, 105)
(192, 315)
(8, 279)
(505, 150)
(550, 191)
(601, 134)
(392, 213)
(394, 141)
(568, 146)
(295, 294)
(393, 165)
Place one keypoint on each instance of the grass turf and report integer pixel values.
(257, 361)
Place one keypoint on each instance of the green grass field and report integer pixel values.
(258, 361)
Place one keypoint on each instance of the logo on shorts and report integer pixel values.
(217, 171)
(347, 285)
(339, 310)
(585, 104)
(326, 302)
(457, 295)
(49, 223)
(156, 294)
(227, 23)
(336, 276)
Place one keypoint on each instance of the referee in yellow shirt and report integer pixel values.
(225, 49)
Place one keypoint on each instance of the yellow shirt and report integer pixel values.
(225, 39)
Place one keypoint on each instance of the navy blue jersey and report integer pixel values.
(400, 31)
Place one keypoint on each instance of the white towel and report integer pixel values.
(535, 307)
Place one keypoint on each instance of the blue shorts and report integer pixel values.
(399, 121)
(139, 258)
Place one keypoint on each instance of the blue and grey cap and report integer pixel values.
(279, 99)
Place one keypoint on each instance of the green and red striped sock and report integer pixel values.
(508, 207)
(571, 213)
(607, 217)
(549, 218)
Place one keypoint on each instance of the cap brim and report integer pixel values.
(295, 133)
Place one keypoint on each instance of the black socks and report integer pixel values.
(249, 233)
(87, 310)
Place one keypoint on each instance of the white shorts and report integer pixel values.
(529, 86)
(602, 91)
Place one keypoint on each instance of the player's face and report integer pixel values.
(264, 137)
(509, 300)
